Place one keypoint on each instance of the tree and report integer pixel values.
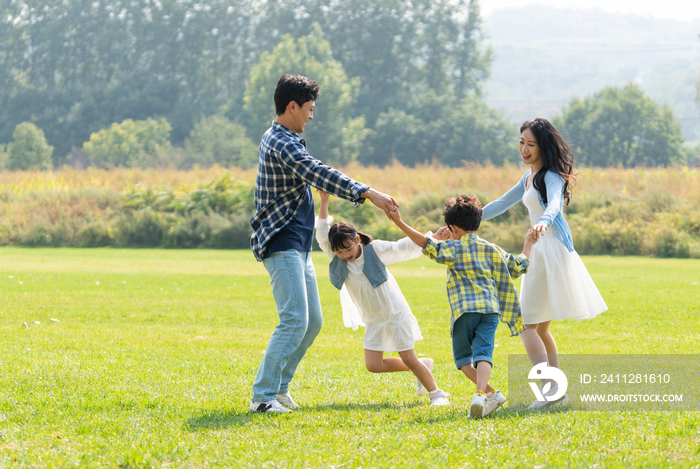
(29, 149)
(125, 143)
(621, 126)
(333, 136)
(443, 130)
(217, 140)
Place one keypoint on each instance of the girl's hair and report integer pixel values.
(342, 235)
(556, 157)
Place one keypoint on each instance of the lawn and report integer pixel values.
(152, 357)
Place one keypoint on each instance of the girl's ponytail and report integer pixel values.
(365, 239)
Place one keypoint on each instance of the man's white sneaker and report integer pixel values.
(476, 411)
(493, 402)
(268, 407)
(287, 401)
(420, 389)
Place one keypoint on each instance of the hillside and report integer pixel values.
(546, 56)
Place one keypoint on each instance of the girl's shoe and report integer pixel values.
(420, 389)
(287, 401)
(493, 402)
(439, 398)
(476, 410)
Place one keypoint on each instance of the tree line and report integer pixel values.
(184, 82)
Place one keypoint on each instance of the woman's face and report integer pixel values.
(351, 253)
(529, 149)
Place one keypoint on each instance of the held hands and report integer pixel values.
(382, 200)
(532, 236)
(442, 234)
(325, 196)
(538, 229)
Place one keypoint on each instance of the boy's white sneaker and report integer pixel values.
(420, 389)
(270, 407)
(287, 401)
(493, 402)
(476, 410)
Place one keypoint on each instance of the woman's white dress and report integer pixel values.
(557, 285)
(389, 323)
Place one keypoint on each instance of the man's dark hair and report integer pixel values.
(464, 212)
(295, 88)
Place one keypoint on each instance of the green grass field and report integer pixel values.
(154, 353)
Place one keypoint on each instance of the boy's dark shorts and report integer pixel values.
(473, 337)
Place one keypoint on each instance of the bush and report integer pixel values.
(216, 140)
(29, 149)
(127, 143)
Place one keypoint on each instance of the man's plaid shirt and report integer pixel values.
(479, 278)
(284, 170)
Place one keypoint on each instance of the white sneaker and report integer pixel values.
(476, 411)
(420, 389)
(287, 401)
(268, 407)
(493, 402)
(439, 398)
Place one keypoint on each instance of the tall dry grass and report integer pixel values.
(616, 211)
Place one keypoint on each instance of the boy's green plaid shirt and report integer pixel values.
(479, 278)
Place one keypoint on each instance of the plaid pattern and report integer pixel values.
(284, 170)
(479, 278)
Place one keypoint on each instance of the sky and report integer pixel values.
(682, 10)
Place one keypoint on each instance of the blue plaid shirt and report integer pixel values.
(284, 170)
(479, 278)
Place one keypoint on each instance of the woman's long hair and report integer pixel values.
(556, 157)
(342, 235)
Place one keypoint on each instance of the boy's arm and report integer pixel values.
(417, 237)
(438, 252)
(518, 265)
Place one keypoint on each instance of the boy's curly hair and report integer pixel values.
(464, 212)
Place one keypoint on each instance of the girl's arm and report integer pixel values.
(391, 252)
(323, 225)
(509, 199)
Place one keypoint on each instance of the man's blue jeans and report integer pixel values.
(295, 290)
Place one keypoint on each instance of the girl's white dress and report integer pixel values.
(389, 323)
(557, 285)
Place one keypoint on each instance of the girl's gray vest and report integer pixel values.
(373, 269)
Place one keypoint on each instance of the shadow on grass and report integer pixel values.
(218, 420)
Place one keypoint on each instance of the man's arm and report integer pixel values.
(332, 181)
(382, 201)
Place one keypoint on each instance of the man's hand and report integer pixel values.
(382, 200)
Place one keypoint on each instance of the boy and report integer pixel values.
(480, 290)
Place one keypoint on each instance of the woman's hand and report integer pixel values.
(538, 230)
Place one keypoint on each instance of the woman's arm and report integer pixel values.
(509, 199)
(555, 197)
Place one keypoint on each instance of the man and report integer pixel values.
(282, 233)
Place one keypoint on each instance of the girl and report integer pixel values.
(370, 296)
(557, 286)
